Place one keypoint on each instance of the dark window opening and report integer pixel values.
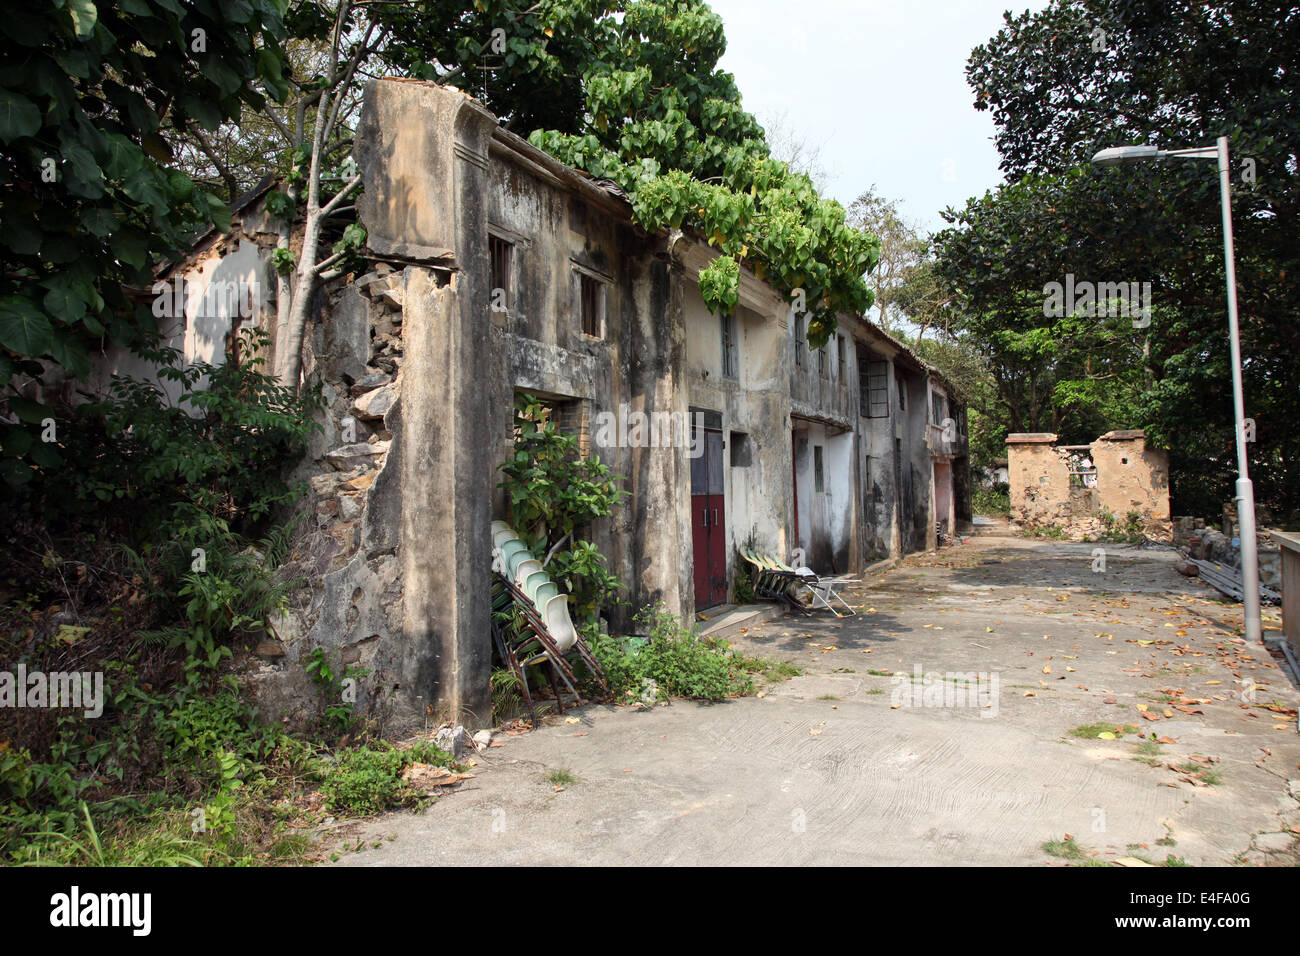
(800, 340)
(502, 255)
(730, 349)
(742, 450)
(873, 386)
(592, 294)
(819, 478)
(841, 350)
(936, 408)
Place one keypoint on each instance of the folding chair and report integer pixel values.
(773, 583)
(822, 589)
(519, 580)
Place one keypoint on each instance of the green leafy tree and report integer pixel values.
(91, 197)
(667, 126)
(1068, 80)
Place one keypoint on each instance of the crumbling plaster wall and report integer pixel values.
(1039, 475)
(1130, 478)
(228, 284)
(754, 402)
(636, 360)
(392, 557)
(1133, 477)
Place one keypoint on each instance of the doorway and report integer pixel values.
(709, 516)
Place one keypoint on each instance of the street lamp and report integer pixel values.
(1122, 155)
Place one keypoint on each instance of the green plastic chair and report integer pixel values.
(525, 568)
(533, 582)
(544, 593)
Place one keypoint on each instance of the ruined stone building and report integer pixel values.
(495, 269)
(1083, 488)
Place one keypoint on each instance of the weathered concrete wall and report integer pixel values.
(420, 370)
(754, 404)
(636, 361)
(1040, 479)
(397, 557)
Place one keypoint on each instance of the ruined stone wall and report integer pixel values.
(1133, 477)
(345, 550)
(1129, 478)
(1039, 476)
(392, 547)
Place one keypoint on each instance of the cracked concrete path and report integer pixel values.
(839, 766)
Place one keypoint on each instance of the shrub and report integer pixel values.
(673, 660)
(553, 491)
(991, 501)
(369, 779)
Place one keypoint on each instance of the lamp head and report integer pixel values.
(1122, 155)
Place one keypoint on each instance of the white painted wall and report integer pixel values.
(208, 316)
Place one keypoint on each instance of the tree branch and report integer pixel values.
(338, 197)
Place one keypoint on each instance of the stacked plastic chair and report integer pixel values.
(778, 581)
(548, 633)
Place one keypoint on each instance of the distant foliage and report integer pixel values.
(1065, 81)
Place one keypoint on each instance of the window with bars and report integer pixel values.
(873, 386)
(501, 254)
(841, 357)
(821, 361)
(730, 348)
(800, 340)
(591, 293)
(937, 407)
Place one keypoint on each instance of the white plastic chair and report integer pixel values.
(558, 622)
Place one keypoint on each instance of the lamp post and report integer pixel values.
(1121, 155)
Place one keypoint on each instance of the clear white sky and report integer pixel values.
(879, 86)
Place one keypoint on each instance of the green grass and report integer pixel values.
(829, 697)
(1169, 860)
(1148, 752)
(368, 779)
(560, 778)
(876, 673)
(1206, 775)
(772, 670)
(679, 663)
(1095, 730)
(1066, 849)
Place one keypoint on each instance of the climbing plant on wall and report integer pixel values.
(665, 124)
(552, 492)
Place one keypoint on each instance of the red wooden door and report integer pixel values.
(700, 549)
(717, 549)
(708, 523)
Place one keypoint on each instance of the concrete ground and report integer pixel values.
(849, 764)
